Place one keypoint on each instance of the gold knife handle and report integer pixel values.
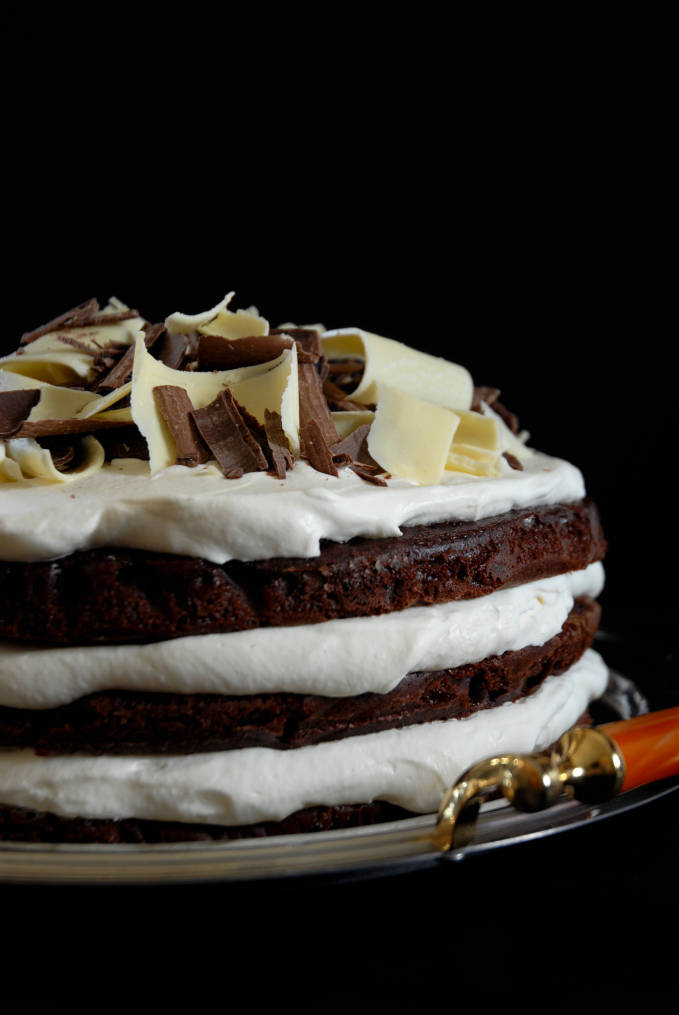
(590, 763)
(648, 745)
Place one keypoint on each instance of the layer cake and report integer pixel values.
(259, 581)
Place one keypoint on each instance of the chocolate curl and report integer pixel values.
(316, 450)
(346, 373)
(122, 371)
(62, 451)
(353, 451)
(226, 434)
(171, 349)
(15, 408)
(337, 400)
(282, 458)
(490, 397)
(482, 393)
(354, 448)
(124, 442)
(309, 348)
(174, 405)
(76, 318)
(103, 320)
(307, 339)
(63, 427)
(217, 353)
(513, 460)
(312, 404)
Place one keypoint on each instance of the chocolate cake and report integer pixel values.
(257, 581)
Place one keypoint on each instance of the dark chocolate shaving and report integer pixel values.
(76, 317)
(513, 460)
(346, 373)
(171, 349)
(104, 320)
(61, 427)
(482, 393)
(312, 404)
(364, 473)
(15, 407)
(307, 339)
(353, 451)
(123, 442)
(337, 401)
(315, 449)
(217, 353)
(309, 348)
(490, 397)
(122, 371)
(62, 451)
(282, 458)
(354, 448)
(510, 418)
(89, 350)
(174, 405)
(225, 432)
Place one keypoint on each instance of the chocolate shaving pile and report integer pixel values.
(224, 429)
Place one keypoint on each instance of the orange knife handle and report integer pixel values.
(649, 745)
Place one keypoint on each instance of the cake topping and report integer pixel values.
(291, 390)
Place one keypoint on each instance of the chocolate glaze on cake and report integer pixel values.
(116, 596)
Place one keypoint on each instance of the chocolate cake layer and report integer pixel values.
(18, 824)
(135, 723)
(116, 596)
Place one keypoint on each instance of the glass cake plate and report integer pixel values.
(391, 846)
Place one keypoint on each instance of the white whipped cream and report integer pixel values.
(197, 513)
(411, 767)
(336, 658)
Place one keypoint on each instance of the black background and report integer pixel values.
(511, 216)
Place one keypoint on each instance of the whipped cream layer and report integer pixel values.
(198, 513)
(411, 767)
(338, 658)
